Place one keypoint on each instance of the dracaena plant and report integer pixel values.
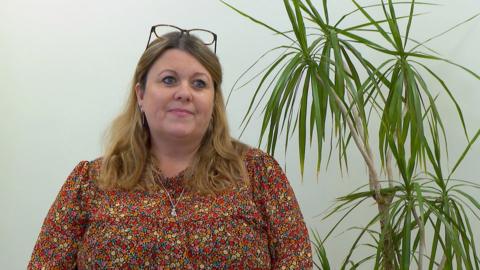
(322, 76)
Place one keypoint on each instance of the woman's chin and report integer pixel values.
(178, 133)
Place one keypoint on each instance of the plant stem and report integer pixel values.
(421, 228)
(366, 153)
(383, 204)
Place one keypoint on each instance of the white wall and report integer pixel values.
(65, 67)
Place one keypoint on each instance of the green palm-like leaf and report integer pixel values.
(325, 77)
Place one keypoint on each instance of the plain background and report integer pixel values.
(65, 69)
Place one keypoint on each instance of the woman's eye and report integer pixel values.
(199, 84)
(169, 80)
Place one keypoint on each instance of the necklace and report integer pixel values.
(173, 212)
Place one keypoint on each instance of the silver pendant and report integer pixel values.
(173, 212)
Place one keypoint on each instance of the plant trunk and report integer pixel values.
(383, 202)
(387, 232)
(421, 228)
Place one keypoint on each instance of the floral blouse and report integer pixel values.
(257, 226)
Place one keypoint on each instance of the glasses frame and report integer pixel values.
(182, 31)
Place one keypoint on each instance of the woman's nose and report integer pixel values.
(184, 92)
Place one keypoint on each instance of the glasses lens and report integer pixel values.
(205, 36)
(161, 30)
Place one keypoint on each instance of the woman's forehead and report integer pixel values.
(178, 61)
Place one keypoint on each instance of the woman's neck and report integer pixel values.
(173, 158)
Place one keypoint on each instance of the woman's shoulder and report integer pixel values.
(267, 179)
(85, 173)
(94, 167)
(87, 168)
(254, 155)
(261, 166)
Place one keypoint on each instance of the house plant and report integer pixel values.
(322, 76)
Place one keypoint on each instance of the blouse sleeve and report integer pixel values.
(288, 235)
(62, 229)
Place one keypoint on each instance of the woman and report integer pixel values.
(174, 190)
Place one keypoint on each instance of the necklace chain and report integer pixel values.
(173, 212)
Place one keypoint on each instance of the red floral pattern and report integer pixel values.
(257, 226)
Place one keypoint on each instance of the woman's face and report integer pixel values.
(178, 97)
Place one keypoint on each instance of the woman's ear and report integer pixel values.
(139, 91)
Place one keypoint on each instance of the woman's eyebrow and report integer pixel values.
(166, 70)
(202, 74)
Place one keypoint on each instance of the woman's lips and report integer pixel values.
(180, 112)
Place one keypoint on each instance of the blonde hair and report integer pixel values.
(127, 161)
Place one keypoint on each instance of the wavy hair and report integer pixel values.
(128, 162)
